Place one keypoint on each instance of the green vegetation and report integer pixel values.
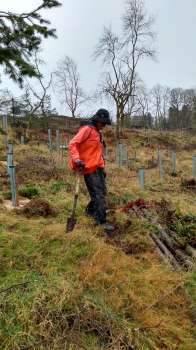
(85, 290)
(29, 191)
(7, 195)
(21, 36)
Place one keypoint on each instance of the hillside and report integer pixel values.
(87, 290)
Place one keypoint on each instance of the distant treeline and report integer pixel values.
(163, 108)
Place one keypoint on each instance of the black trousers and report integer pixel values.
(96, 186)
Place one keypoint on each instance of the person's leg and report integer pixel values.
(96, 186)
(90, 209)
(95, 183)
(100, 185)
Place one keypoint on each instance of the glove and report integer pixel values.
(80, 165)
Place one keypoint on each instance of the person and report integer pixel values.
(86, 156)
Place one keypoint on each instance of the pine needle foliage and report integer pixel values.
(20, 36)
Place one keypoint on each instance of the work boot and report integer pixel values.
(108, 228)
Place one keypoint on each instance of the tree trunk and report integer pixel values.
(121, 110)
(117, 124)
(73, 114)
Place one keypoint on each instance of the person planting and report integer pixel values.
(86, 157)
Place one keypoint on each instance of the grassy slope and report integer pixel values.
(84, 291)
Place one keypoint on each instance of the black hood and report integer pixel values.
(102, 116)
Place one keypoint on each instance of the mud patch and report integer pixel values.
(37, 207)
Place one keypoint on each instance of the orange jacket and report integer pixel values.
(86, 145)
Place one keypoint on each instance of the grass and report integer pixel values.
(29, 191)
(84, 290)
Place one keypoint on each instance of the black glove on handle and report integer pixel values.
(80, 165)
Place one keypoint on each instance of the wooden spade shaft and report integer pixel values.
(71, 221)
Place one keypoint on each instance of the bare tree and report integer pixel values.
(117, 81)
(177, 98)
(122, 56)
(176, 104)
(68, 85)
(36, 97)
(5, 101)
(143, 105)
(160, 98)
(182, 108)
(10, 104)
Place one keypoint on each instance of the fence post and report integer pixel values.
(10, 147)
(161, 169)
(119, 154)
(106, 153)
(57, 139)
(12, 174)
(66, 143)
(5, 126)
(60, 138)
(158, 154)
(125, 155)
(194, 166)
(9, 156)
(141, 175)
(22, 140)
(173, 162)
(49, 139)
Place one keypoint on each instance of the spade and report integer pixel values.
(71, 221)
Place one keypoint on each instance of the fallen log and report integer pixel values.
(184, 259)
(162, 256)
(167, 245)
(190, 251)
(166, 238)
(166, 251)
(174, 248)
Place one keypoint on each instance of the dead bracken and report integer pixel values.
(138, 203)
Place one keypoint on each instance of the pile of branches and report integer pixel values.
(174, 235)
(135, 205)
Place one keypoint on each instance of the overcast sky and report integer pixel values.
(79, 25)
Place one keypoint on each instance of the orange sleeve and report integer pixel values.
(80, 137)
